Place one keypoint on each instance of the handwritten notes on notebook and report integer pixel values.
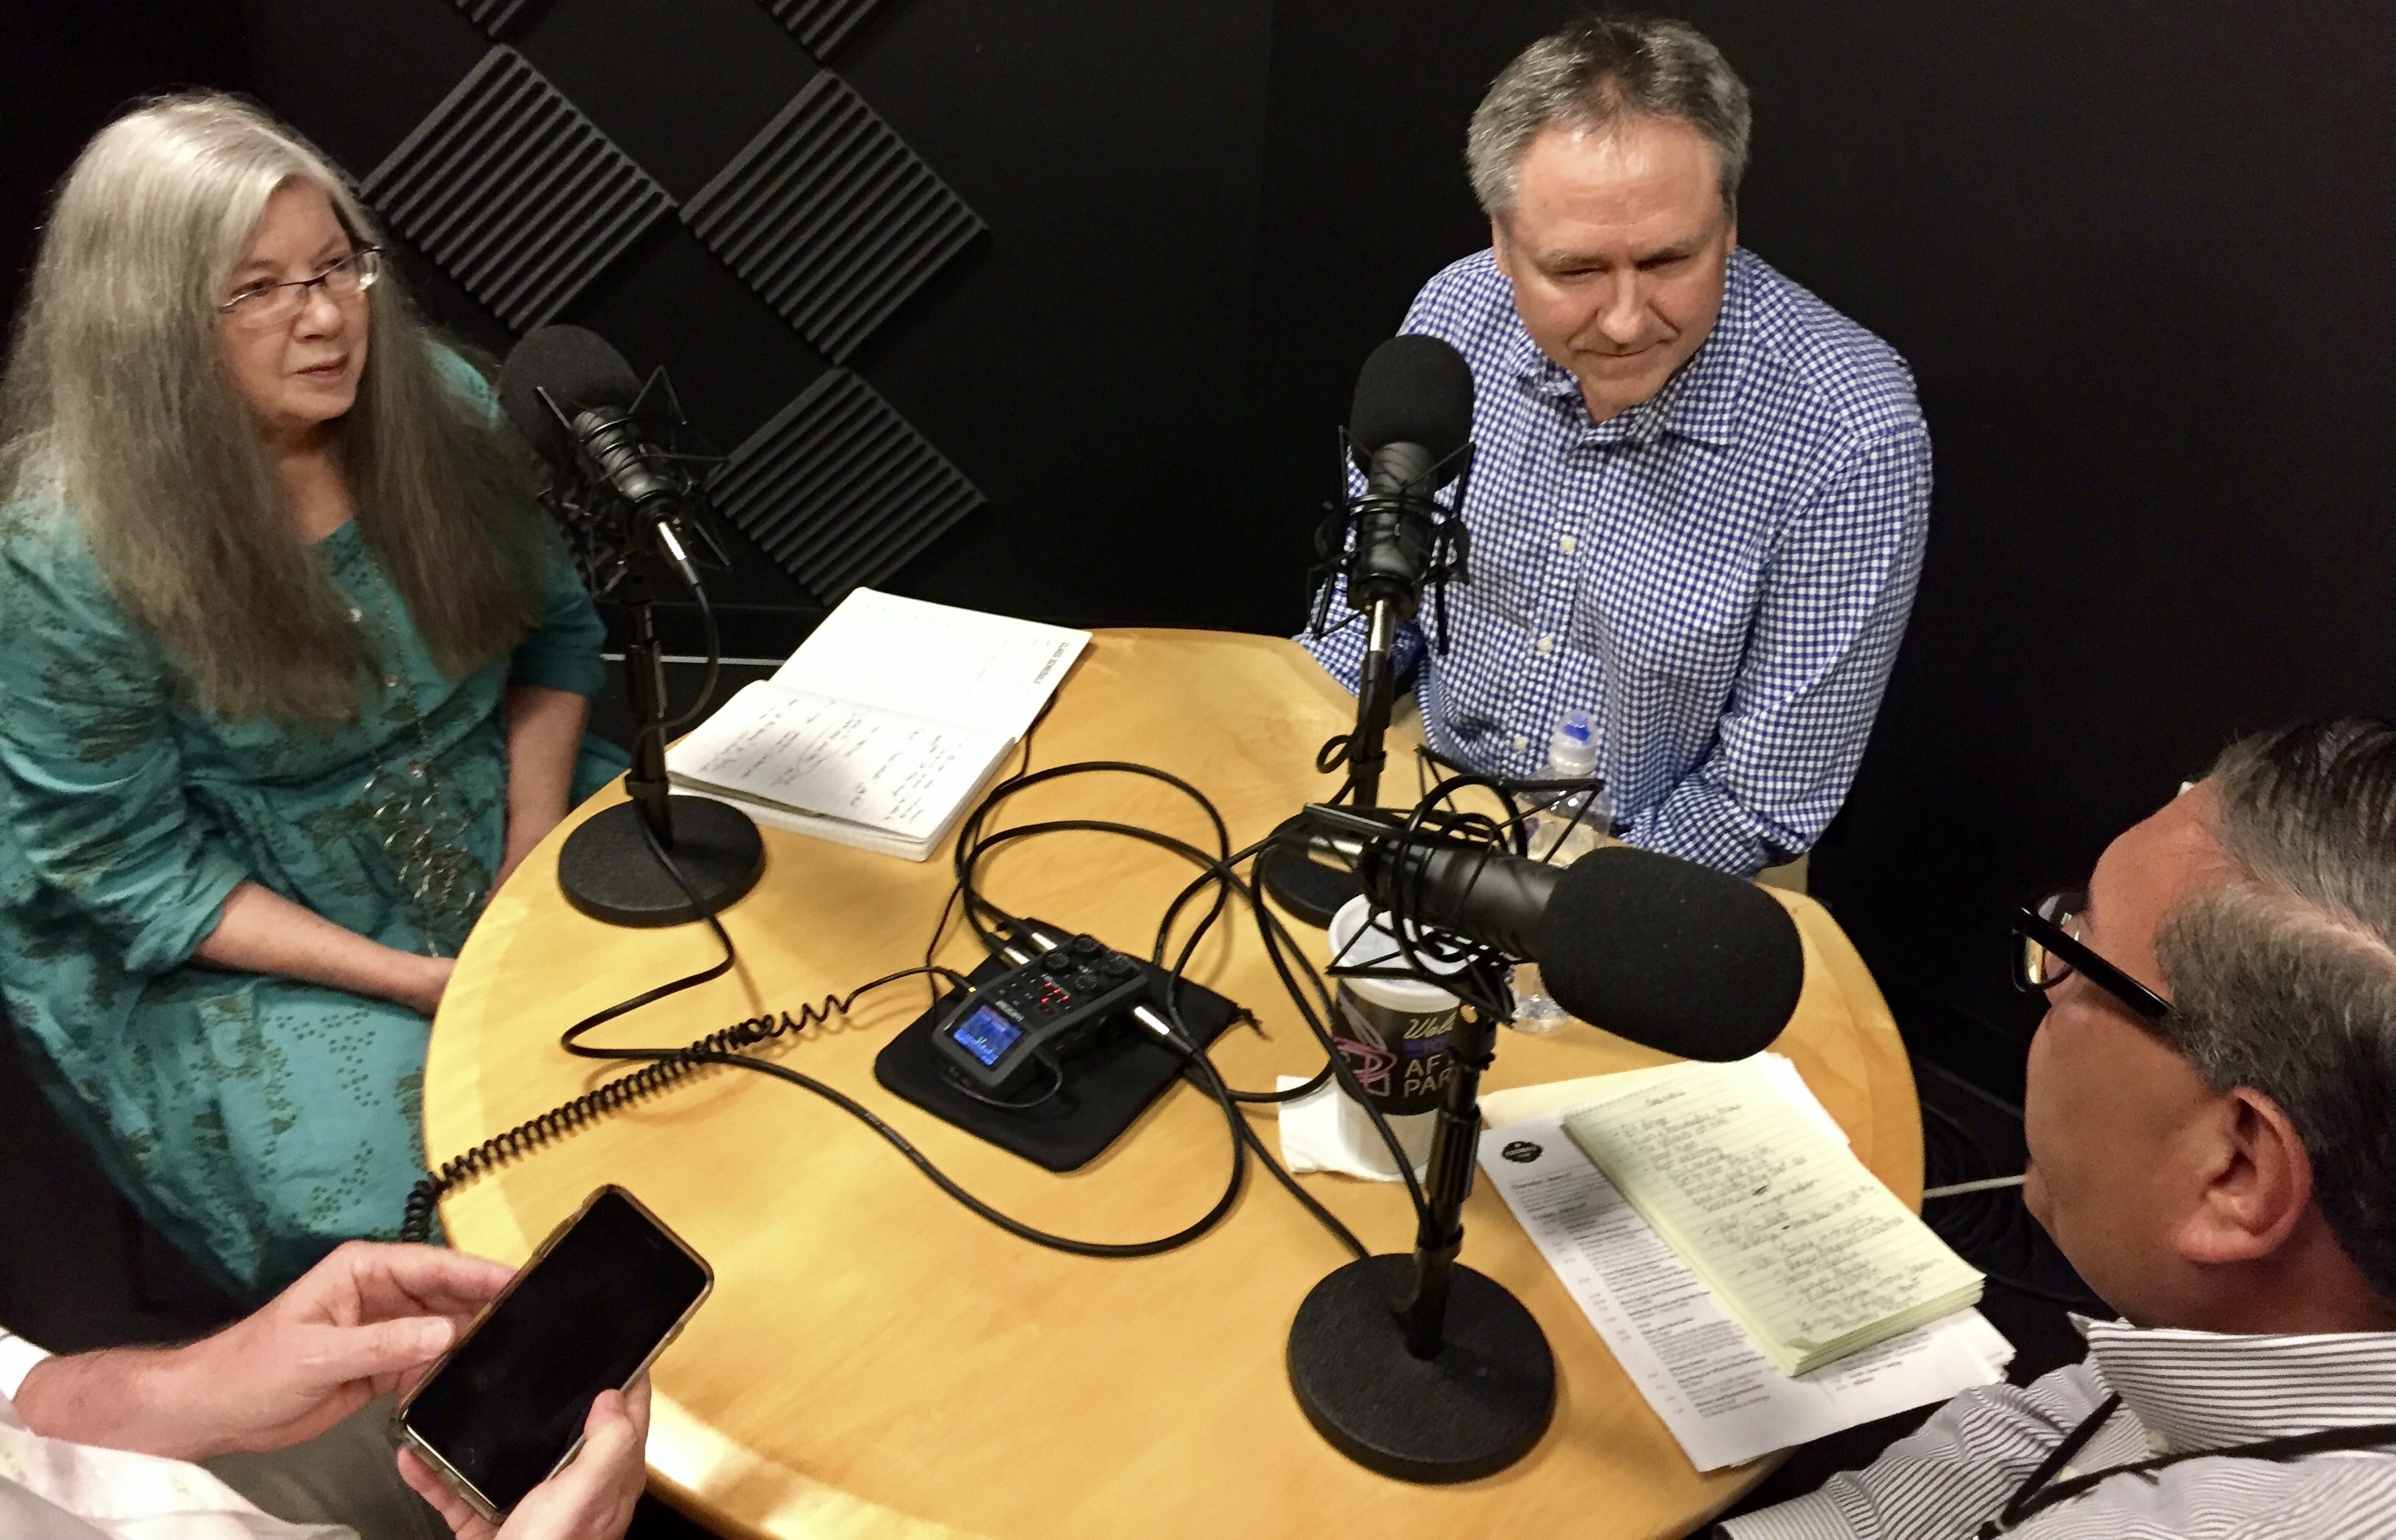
(836, 758)
(1804, 1247)
(879, 730)
(1723, 1400)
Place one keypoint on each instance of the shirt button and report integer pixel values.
(390, 681)
(357, 613)
(1567, 544)
(1522, 742)
(1546, 644)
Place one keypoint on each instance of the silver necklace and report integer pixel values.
(424, 839)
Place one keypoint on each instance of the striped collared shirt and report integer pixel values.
(16, 1360)
(2180, 1390)
(1720, 576)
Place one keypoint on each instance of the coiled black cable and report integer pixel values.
(664, 1071)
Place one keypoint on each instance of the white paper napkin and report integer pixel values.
(1314, 1136)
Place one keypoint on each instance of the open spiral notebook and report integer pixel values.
(879, 729)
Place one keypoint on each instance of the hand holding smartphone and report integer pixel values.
(506, 1406)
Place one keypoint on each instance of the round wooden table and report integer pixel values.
(878, 1361)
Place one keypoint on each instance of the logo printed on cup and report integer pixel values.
(1401, 1058)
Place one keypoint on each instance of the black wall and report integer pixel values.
(1085, 364)
(68, 66)
(2135, 254)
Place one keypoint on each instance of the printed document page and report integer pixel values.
(1725, 1401)
(991, 672)
(837, 759)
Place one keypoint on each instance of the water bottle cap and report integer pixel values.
(1571, 750)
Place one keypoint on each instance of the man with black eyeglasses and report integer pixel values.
(2208, 1119)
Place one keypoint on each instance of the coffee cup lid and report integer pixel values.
(1362, 939)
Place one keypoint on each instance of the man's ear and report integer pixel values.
(2259, 1182)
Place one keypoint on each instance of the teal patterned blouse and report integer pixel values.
(259, 1121)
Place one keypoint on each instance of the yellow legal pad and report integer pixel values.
(1807, 1250)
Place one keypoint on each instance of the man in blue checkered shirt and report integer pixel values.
(1701, 494)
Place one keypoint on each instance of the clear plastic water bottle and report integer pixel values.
(1563, 828)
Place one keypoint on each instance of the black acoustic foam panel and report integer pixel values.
(840, 489)
(822, 25)
(831, 217)
(495, 15)
(513, 193)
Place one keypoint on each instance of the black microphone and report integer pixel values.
(586, 423)
(1663, 952)
(1412, 413)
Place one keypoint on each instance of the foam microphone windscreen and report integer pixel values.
(1414, 390)
(1671, 954)
(578, 370)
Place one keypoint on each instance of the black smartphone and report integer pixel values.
(597, 1302)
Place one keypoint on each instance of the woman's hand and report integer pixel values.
(260, 931)
(431, 979)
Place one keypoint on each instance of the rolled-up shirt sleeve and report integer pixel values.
(1835, 607)
(16, 1360)
(94, 796)
(563, 651)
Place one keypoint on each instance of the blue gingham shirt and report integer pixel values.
(1720, 576)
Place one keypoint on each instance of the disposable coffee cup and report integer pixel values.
(1395, 1034)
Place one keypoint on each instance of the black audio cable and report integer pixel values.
(669, 1065)
(665, 1067)
(1218, 871)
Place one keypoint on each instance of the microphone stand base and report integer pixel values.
(607, 871)
(1473, 1409)
(1305, 889)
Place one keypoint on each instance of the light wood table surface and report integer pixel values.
(878, 1361)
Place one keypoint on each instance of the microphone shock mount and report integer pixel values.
(621, 504)
(1390, 543)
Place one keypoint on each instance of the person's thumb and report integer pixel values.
(611, 1451)
(593, 1497)
(608, 1436)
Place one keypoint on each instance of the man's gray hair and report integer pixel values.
(1593, 75)
(2285, 978)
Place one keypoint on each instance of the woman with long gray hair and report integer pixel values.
(292, 675)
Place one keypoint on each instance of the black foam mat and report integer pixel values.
(1106, 1087)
